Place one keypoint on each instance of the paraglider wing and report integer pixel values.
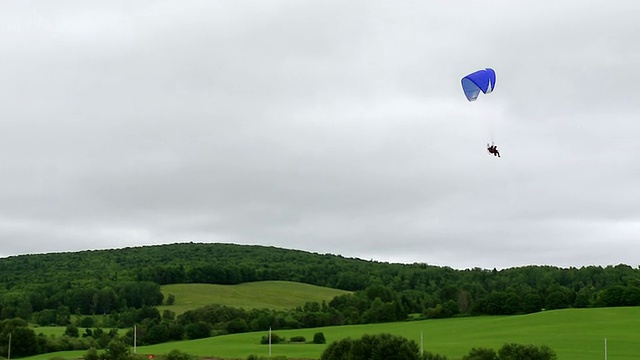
(481, 80)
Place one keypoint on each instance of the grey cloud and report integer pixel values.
(330, 127)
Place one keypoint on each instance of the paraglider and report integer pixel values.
(480, 81)
(493, 149)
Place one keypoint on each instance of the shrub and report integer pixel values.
(297, 339)
(318, 338)
(530, 352)
(275, 339)
(481, 354)
(178, 355)
(373, 347)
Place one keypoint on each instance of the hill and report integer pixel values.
(108, 281)
(575, 334)
(279, 295)
(124, 287)
(186, 263)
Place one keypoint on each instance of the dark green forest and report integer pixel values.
(123, 285)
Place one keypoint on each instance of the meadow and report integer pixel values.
(263, 294)
(277, 295)
(575, 334)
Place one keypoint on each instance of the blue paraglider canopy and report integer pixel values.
(481, 80)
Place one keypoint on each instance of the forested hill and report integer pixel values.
(50, 287)
(233, 264)
(190, 263)
(420, 286)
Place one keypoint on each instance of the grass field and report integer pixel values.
(575, 334)
(277, 295)
(59, 330)
(52, 330)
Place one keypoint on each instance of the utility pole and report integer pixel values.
(9, 352)
(269, 341)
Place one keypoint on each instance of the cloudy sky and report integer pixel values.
(327, 126)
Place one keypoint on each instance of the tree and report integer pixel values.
(23, 340)
(139, 294)
(583, 298)
(373, 347)
(493, 304)
(526, 352)
(512, 304)
(157, 334)
(237, 325)
(297, 339)
(559, 298)
(104, 300)
(450, 308)
(176, 331)
(275, 339)
(86, 322)
(24, 308)
(171, 299)
(481, 354)
(318, 338)
(197, 330)
(63, 315)
(613, 296)
(71, 331)
(46, 317)
(117, 350)
(631, 296)
(431, 356)
(92, 354)
(338, 350)
(532, 302)
(81, 300)
(178, 355)
(168, 314)
(380, 311)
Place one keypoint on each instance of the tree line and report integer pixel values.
(377, 303)
(393, 347)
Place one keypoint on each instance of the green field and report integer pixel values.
(59, 330)
(52, 330)
(575, 334)
(278, 295)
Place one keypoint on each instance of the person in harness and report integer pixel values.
(492, 149)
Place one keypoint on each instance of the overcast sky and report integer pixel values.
(327, 126)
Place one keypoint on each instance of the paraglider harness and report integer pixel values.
(492, 149)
